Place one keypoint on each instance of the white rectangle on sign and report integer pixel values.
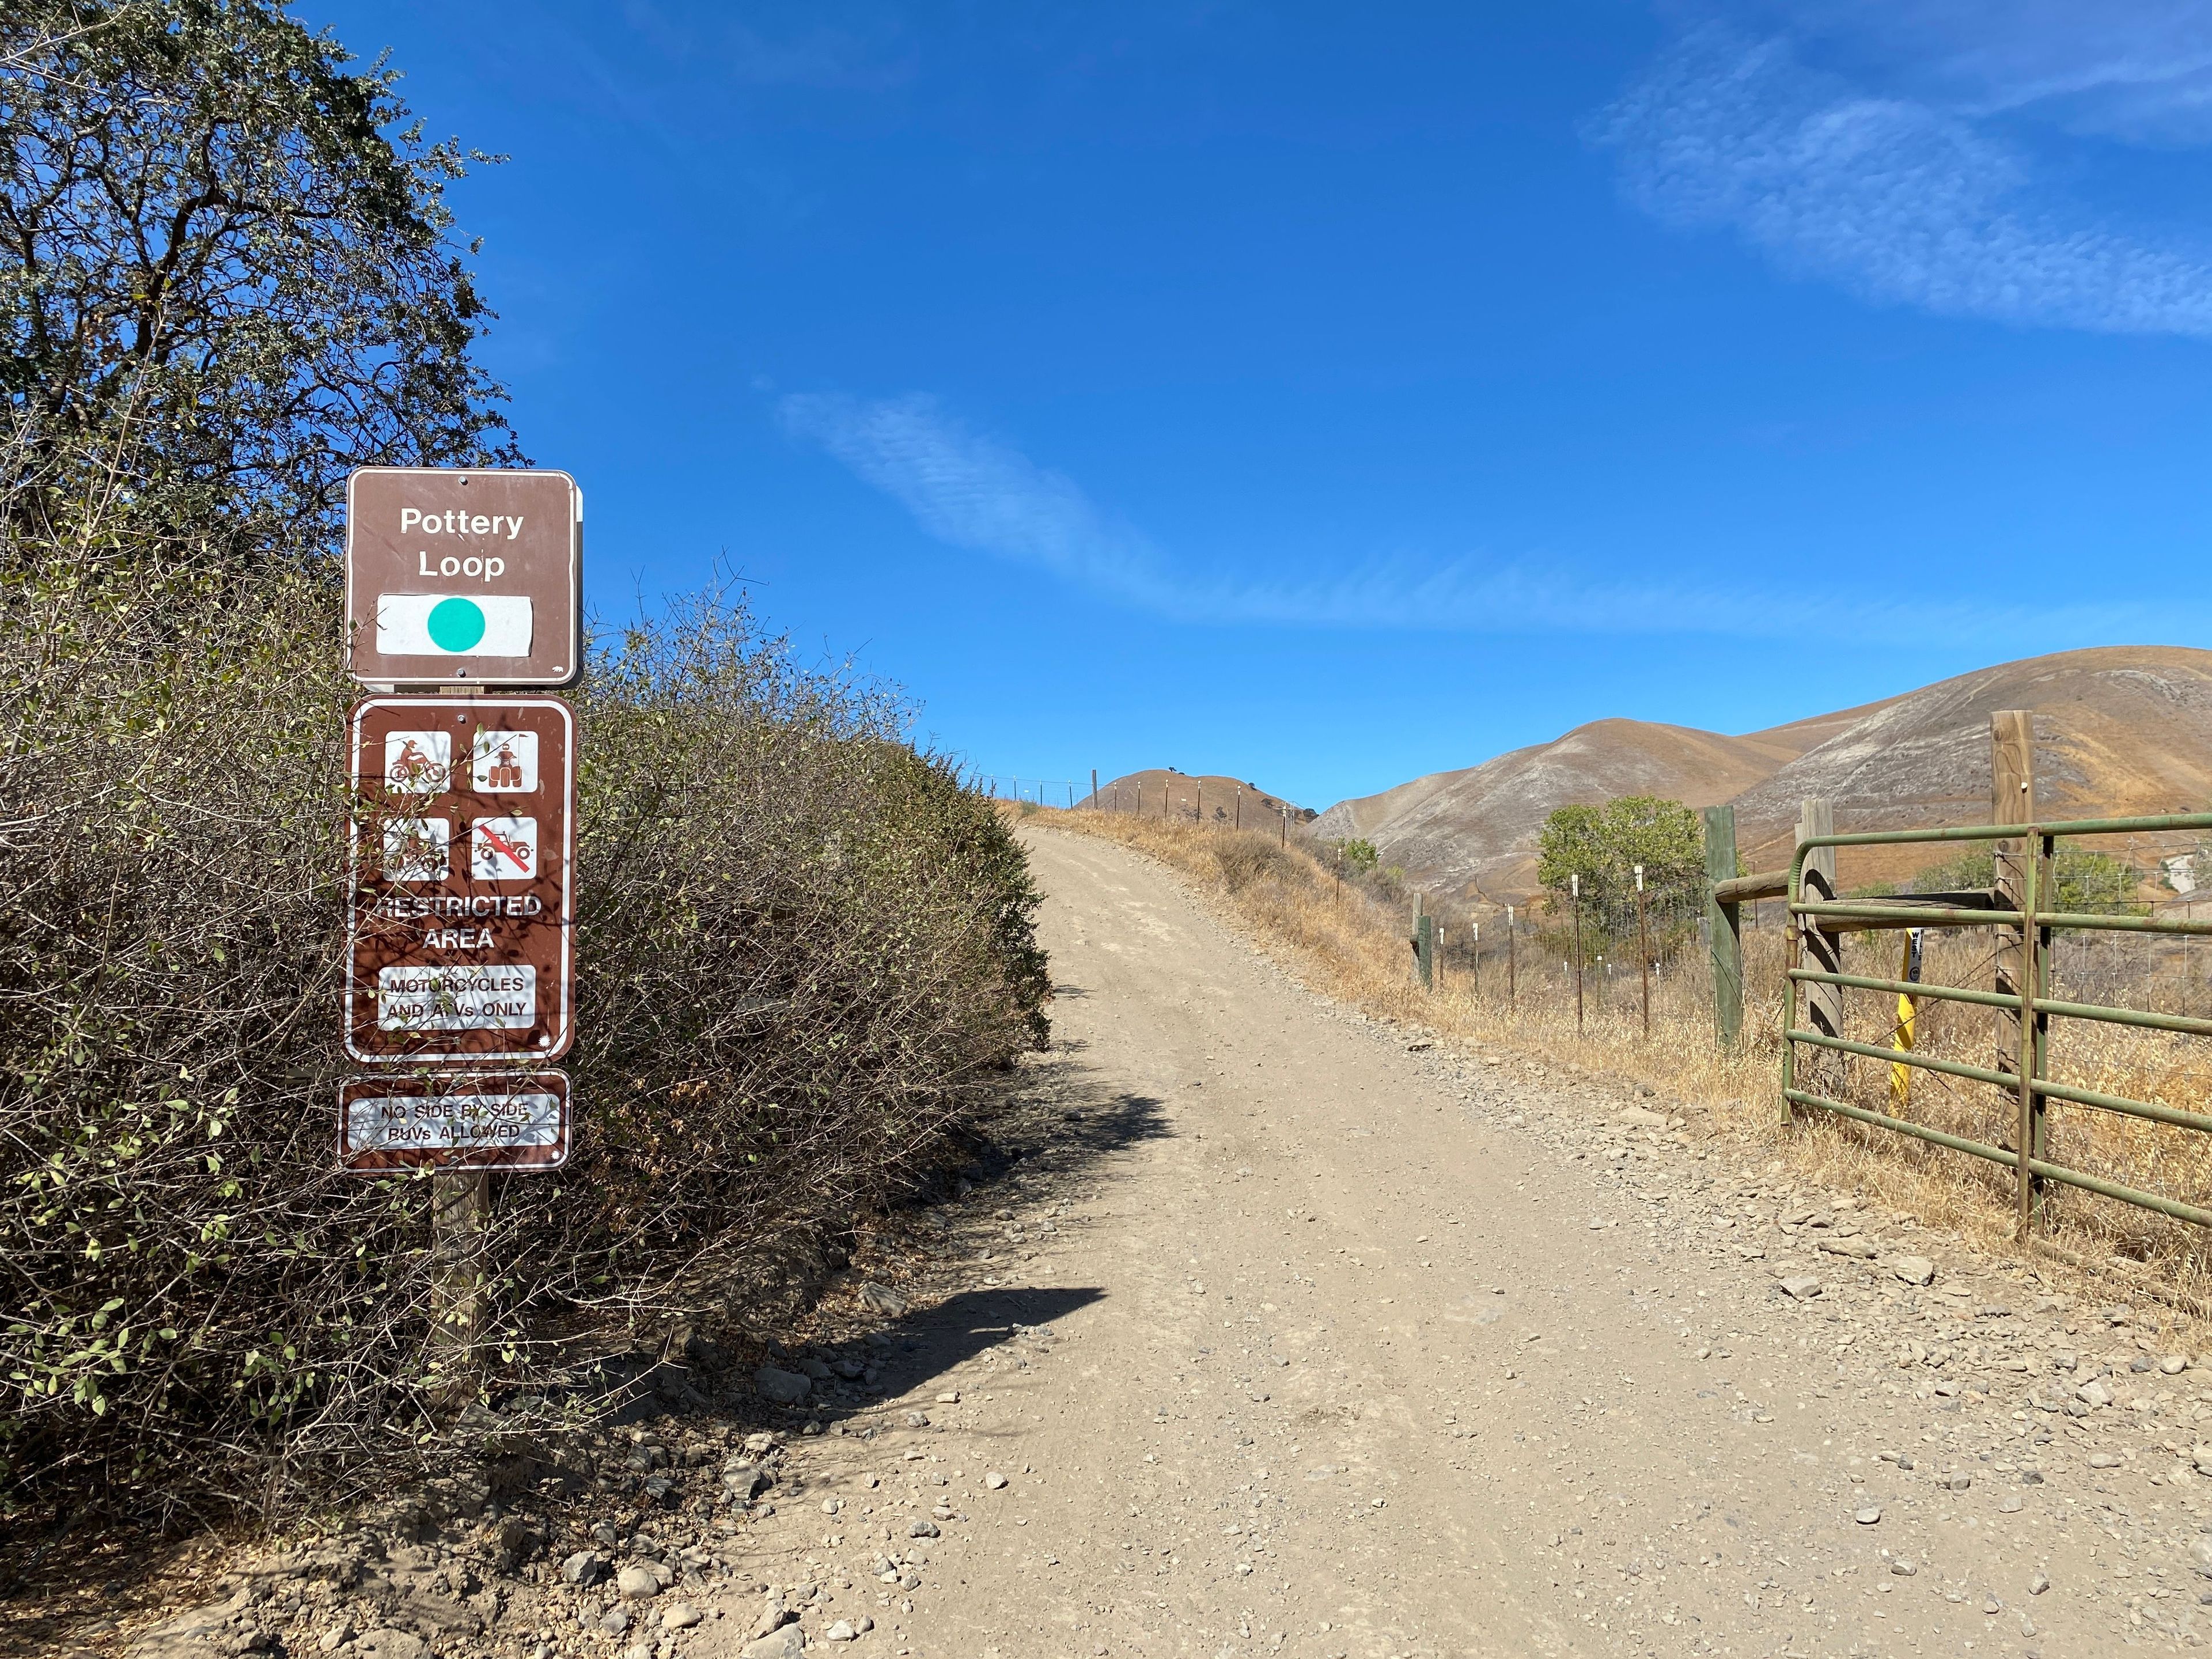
(506, 762)
(453, 625)
(458, 997)
(504, 849)
(418, 762)
(418, 849)
(451, 1122)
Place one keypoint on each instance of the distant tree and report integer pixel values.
(1360, 855)
(1602, 845)
(228, 274)
(2088, 883)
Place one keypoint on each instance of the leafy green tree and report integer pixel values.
(1602, 845)
(227, 275)
(1360, 855)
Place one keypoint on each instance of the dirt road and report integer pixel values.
(1266, 1330)
(1295, 1338)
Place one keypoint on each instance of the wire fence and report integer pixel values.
(1007, 786)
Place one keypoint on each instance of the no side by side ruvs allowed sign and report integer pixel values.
(511, 1120)
(463, 937)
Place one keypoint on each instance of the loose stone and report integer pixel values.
(782, 1387)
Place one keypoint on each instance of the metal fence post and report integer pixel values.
(1642, 952)
(1512, 989)
(1575, 889)
(1723, 927)
(2028, 1133)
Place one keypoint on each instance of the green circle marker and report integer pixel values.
(456, 624)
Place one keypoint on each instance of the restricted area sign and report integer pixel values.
(463, 937)
(513, 1120)
(457, 575)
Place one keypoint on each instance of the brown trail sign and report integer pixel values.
(458, 575)
(463, 937)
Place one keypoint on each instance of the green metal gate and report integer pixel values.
(2032, 1004)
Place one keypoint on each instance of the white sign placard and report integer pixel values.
(418, 849)
(506, 762)
(504, 849)
(471, 997)
(452, 1122)
(452, 625)
(418, 762)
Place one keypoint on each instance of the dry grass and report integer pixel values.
(1344, 942)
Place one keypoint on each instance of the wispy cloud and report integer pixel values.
(2137, 70)
(1923, 200)
(975, 492)
(970, 490)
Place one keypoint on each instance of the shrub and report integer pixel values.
(804, 951)
(2088, 883)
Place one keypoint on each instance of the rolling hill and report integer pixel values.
(2120, 729)
(1223, 800)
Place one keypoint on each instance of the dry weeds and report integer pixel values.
(1345, 944)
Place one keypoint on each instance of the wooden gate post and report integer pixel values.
(1824, 951)
(1821, 950)
(2012, 800)
(1723, 926)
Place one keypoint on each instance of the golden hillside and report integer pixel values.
(2120, 729)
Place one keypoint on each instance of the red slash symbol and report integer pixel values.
(518, 851)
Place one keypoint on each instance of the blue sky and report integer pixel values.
(1329, 395)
